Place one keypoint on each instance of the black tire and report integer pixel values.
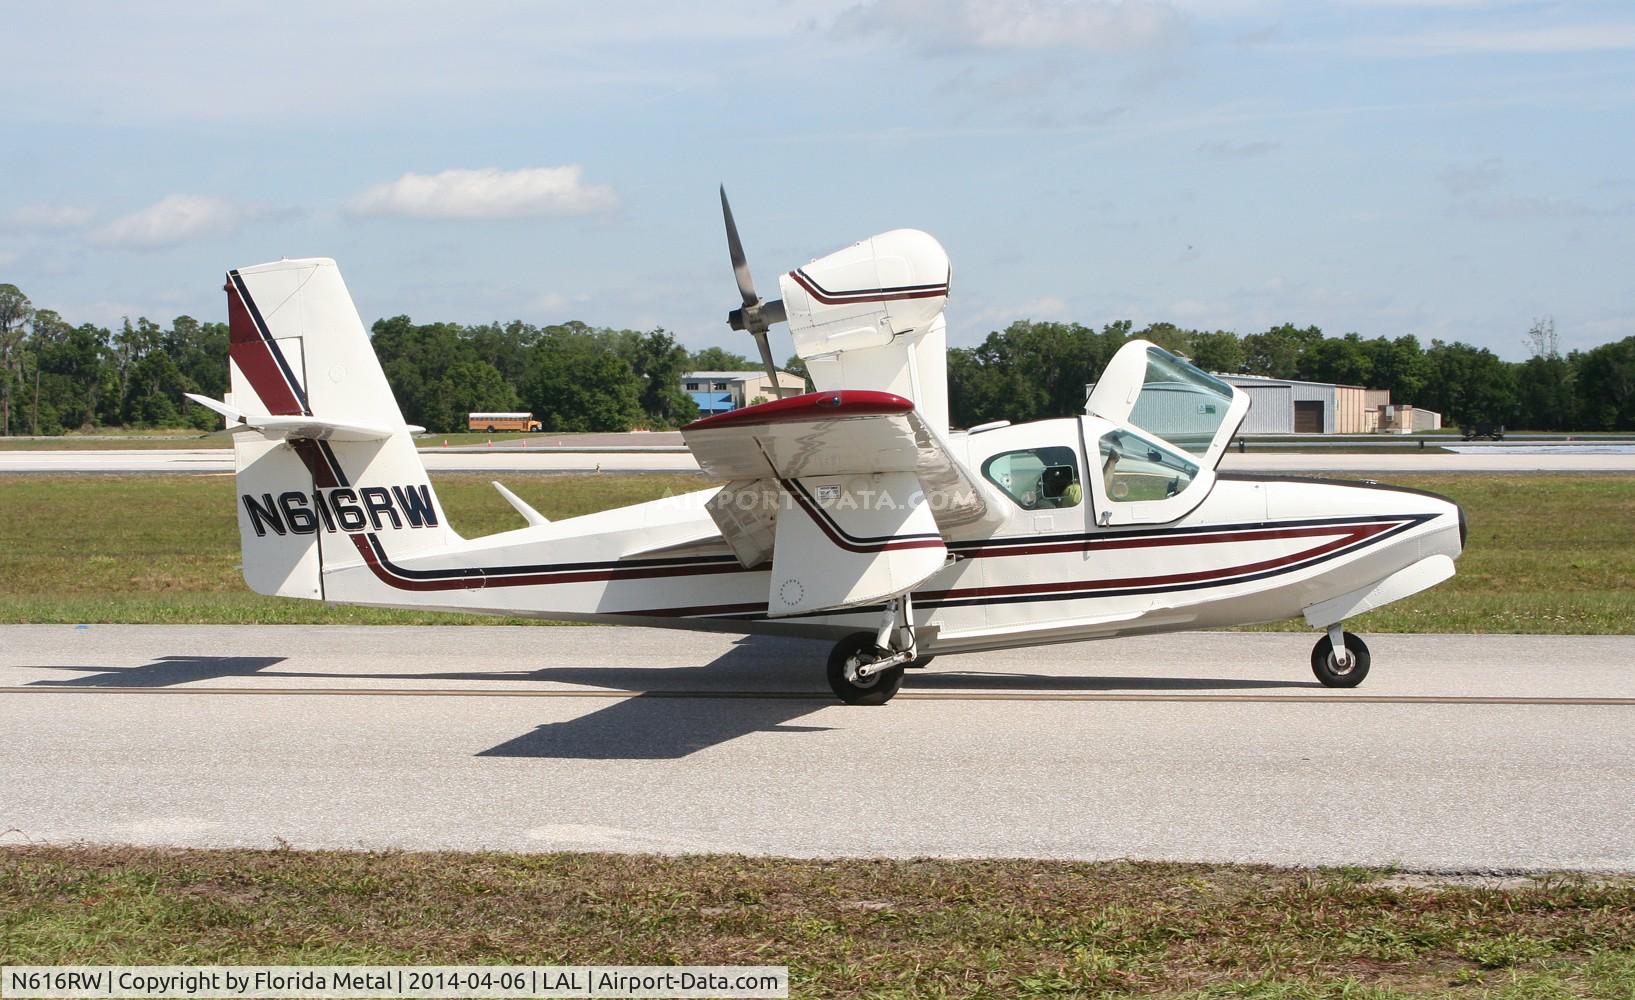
(1327, 671)
(919, 662)
(878, 689)
(490, 428)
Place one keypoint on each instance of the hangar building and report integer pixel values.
(1285, 406)
(1289, 406)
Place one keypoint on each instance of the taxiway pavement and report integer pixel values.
(1458, 753)
(218, 460)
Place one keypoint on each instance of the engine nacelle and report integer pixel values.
(870, 317)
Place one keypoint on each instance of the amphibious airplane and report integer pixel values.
(853, 513)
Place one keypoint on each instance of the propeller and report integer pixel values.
(756, 315)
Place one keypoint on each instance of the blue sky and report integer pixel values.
(1447, 168)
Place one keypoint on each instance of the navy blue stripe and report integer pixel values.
(955, 602)
(871, 292)
(1203, 529)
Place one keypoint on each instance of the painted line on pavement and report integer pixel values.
(620, 694)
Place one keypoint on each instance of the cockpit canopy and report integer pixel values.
(1170, 424)
(1154, 391)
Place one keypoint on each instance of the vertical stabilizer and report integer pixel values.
(311, 504)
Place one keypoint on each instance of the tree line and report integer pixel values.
(1030, 371)
(56, 377)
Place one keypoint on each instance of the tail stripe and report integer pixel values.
(258, 354)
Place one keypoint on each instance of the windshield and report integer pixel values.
(1134, 469)
(1180, 402)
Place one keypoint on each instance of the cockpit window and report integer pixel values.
(1037, 478)
(1180, 403)
(1135, 469)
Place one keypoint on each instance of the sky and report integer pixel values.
(1450, 169)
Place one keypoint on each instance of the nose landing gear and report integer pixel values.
(1340, 662)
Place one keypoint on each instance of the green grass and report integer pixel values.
(863, 928)
(116, 440)
(1547, 553)
(165, 549)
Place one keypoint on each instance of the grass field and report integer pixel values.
(110, 441)
(1545, 554)
(878, 929)
(116, 440)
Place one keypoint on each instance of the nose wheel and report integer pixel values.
(1340, 668)
(855, 675)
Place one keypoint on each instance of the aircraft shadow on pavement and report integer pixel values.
(163, 671)
(758, 686)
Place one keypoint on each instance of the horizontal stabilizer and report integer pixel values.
(529, 514)
(281, 428)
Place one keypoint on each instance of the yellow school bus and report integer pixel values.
(501, 422)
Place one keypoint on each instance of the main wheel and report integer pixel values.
(1327, 667)
(847, 655)
(919, 662)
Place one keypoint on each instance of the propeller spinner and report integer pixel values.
(756, 315)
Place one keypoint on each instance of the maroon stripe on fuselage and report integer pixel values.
(1352, 535)
(477, 579)
(1151, 541)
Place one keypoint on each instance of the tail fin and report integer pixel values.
(328, 474)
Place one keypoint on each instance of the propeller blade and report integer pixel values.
(740, 266)
(766, 359)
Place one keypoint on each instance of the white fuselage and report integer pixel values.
(1246, 549)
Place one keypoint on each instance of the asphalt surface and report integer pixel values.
(217, 460)
(1458, 753)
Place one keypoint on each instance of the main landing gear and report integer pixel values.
(866, 668)
(1340, 659)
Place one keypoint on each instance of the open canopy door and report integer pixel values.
(1166, 397)
(1172, 422)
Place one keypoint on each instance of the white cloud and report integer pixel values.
(171, 220)
(1509, 209)
(1228, 148)
(488, 193)
(45, 215)
(1048, 307)
(1524, 41)
(1091, 25)
(1470, 178)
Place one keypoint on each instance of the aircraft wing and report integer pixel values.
(848, 492)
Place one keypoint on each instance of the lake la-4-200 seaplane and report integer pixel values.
(853, 513)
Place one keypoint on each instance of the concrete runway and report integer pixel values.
(1458, 753)
(217, 460)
